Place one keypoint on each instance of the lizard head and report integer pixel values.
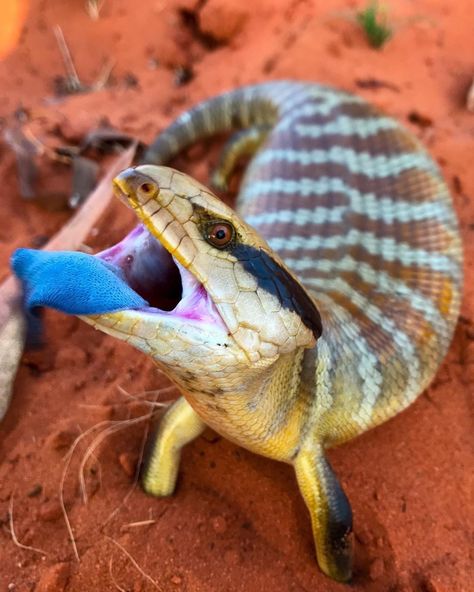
(218, 297)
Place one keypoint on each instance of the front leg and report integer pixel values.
(179, 425)
(330, 511)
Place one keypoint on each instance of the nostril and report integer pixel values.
(146, 187)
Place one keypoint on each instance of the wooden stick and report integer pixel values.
(70, 237)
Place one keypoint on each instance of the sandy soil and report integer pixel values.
(237, 521)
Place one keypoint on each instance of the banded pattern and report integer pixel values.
(358, 210)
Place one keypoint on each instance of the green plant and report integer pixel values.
(373, 21)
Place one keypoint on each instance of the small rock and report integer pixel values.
(422, 120)
(222, 19)
(364, 536)
(128, 462)
(35, 490)
(176, 580)
(61, 439)
(54, 578)
(219, 524)
(437, 583)
(376, 569)
(50, 511)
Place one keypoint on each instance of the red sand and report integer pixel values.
(237, 521)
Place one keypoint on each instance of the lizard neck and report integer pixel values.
(266, 411)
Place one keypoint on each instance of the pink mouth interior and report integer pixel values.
(156, 276)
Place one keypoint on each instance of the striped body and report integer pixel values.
(359, 212)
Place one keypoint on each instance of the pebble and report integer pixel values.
(376, 569)
(176, 580)
(433, 583)
(35, 490)
(222, 19)
(54, 578)
(50, 511)
(379, 542)
(364, 536)
(219, 524)
(61, 439)
(128, 462)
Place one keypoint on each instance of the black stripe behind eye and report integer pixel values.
(274, 279)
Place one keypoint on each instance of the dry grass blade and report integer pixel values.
(93, 8)
(136, 524)
(134, 563)
(14, 537)
(155, 403)
(107, 428)
(73, 80)
(140, 457)
(104, 76)
(109, 431)
(135, 480)
(68, 458)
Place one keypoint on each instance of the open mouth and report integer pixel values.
(155, 275)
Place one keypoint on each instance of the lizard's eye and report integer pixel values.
(219, 234)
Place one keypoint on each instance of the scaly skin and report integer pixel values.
(354, 206)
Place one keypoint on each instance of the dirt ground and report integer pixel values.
(237, 521)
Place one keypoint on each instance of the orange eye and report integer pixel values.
(220, 234)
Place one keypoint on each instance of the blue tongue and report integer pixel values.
(71, 282)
